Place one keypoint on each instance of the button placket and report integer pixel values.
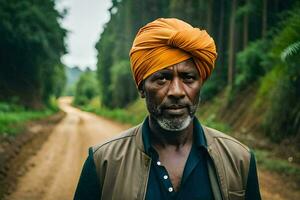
(163, 173)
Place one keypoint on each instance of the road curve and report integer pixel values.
(54, 171)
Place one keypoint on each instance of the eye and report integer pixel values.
(189, 78)
(161, 80)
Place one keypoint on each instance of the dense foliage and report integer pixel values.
(233, 24)
(251, 37)
(86, 88)
(31, 44)
(13, 116)
(72, 75)
(283, 116)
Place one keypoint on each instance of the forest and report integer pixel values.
(252, 95)
(31, 45)
(258, 45)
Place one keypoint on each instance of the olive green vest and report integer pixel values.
(123, 167)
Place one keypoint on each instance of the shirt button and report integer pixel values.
(158, 163)
(165, 177)
(170, 189)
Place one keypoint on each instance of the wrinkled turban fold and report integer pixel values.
(168, 41)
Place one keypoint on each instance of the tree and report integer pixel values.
(264, 18)
(227, 21)
(231, 45)
(86, 88)
(246, 24)
(31, 44)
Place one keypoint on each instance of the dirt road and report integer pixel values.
(54, 171)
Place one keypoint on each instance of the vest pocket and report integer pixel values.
(236, 195)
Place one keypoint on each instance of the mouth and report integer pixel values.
(176, 110)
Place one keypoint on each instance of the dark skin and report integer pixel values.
(172, 93)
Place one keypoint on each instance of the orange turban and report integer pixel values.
(165, 42)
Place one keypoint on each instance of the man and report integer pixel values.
(170, 155)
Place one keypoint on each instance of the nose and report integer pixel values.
(176, 89)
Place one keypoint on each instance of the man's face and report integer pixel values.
(172, 95)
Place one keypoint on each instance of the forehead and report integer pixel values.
(184, 66)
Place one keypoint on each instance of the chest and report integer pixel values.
(189, 180)
(174, 163)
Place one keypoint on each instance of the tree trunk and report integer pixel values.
(209, 15)
(221, 35)
(245, 27)
(231, 45)
(264, 18)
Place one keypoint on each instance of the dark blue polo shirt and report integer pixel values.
(195, 183)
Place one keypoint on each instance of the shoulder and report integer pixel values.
(117, 143)
(213, 136)
(230, 156)
(227, 147)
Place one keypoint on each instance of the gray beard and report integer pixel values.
(174, 124)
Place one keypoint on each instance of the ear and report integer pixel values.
(142, 93)
(142, 90)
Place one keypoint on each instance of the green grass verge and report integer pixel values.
(266, 161)
(210, 121)
(13, 117)
(133, 115)
(12, 122)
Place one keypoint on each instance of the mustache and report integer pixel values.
(175, 105)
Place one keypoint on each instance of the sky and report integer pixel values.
(84, 21)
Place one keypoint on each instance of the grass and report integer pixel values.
(13, 117)
(211, 121)
(266, 161)
(133, 114)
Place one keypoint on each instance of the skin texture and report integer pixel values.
(172, 96)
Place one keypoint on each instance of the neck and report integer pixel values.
(162, 138)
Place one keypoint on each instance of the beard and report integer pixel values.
(172, 123)
(177, 124)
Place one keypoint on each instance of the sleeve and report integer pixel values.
(88, 187)
(252, 190)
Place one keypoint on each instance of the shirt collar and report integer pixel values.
(199, 138)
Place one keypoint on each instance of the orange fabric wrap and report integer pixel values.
(168, 41)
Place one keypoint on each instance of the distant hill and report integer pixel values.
(73, 74)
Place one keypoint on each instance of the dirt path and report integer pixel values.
(54, 171)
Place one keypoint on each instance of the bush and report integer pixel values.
(283, 117)
(52, 104)
(250, 64)
(212, 87)
(123, 87)
(282, 89)
(14, 116)
(86, 88)
(10, 107)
